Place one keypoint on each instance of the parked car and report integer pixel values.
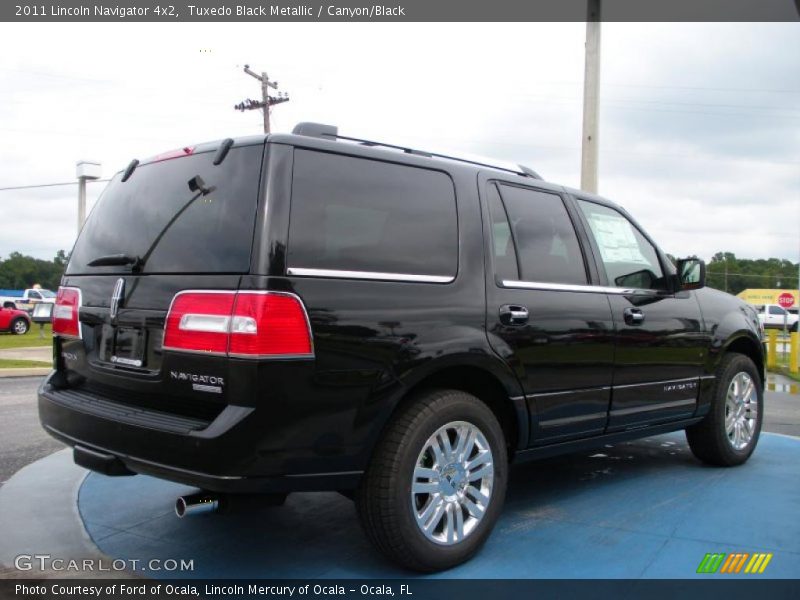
(776, 317)
(14, 321)
(26, 299)
(311, 312)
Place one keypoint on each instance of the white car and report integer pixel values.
(26, 299)
(773, 316)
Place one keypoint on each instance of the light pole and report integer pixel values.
(591, 93)
(85, 170)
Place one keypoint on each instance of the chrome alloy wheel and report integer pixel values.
(20, 327)
(741, 411)
(452, 484)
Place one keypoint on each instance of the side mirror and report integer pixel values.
(691, 273)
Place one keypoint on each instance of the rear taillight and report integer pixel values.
(269, 325)
(242, 324)
(65, 312)
(199, 322)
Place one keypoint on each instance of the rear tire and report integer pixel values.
(459, 483)
(728, 434)
(19, 326)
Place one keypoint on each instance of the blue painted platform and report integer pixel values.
(643, 509)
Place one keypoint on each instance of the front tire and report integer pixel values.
(729, 433)
(20, 326)
(436, 483)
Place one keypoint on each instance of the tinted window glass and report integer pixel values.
(776, 310)
(629, 259)
(155, 215)
(545, 238)
(353, 214)
(505, 255)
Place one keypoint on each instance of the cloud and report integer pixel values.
(699, 123)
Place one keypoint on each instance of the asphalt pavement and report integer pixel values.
(23, 441)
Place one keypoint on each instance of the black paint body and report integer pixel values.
(576, 374)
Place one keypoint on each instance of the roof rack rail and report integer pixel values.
(331, 132)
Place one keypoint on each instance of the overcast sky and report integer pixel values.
(699, 126)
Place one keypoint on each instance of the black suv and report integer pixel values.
(314, 312)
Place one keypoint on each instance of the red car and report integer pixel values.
(14, 321)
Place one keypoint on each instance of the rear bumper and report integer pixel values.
(225, 455)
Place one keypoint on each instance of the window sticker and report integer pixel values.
(616, 239)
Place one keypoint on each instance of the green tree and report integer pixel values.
(19, 271)
(727, 272)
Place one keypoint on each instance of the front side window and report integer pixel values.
(355, 214)
(776, 310)
(543, 236)
(630, 260)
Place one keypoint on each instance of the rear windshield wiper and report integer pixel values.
(113, 260)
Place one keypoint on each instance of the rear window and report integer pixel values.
(353, 214)
(155, 215)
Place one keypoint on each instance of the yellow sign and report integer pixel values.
(756, 296)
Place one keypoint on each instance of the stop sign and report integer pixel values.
(786, 300)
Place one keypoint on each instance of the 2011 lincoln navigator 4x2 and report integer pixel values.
(315, 312)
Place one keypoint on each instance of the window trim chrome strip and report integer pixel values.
(369, 275)
(569, 287)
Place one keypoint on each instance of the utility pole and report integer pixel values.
(266, 101)
(726, 273)
(591, 96)
(85, 170)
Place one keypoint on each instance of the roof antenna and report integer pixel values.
(317, 130)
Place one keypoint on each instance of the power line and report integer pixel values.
(46, 185)
(777, 276)
(680, 87)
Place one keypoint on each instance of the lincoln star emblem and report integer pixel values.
(116, 297)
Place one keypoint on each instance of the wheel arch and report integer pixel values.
(744, 343)
(741, 342)
(489, 380)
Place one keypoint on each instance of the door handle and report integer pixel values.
(513, 314)
(633, 316)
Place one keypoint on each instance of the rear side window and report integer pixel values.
(544, 237)
(505, 255)
(157, 217)
(353, 214)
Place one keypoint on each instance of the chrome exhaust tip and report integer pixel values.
(196, 503)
